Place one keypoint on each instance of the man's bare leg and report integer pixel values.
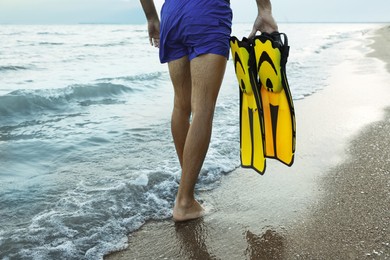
(180, 73)
(206, 77)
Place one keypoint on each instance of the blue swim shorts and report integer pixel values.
(194, 27)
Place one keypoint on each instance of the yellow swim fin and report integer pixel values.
(251, 116)
(278, 109)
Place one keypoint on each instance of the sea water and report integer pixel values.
(86, 154)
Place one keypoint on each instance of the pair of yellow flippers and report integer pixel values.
(267, 117)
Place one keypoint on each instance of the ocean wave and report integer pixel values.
(51, 43)
(12, 68)
(26, 102)
(116, 185)
(333, 40)
(122, 43)
(55, 33)
(88, 223)
(96, 215)
(137, 78)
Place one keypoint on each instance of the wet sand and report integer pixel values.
(333, 203)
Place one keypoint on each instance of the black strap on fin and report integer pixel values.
(285, 49)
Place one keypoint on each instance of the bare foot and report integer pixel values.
(187, 211)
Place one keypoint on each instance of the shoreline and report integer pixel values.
(382, 38)
(305, 211)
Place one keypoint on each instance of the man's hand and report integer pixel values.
(154, 32)
(153, 22)
(264, 23)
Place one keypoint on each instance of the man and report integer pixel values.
(194, 40)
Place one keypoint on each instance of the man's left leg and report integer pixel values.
(180, 73)
(207, 73)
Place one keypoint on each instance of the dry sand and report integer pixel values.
(332, 204)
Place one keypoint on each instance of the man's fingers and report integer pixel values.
(154, 42)
(252, 34)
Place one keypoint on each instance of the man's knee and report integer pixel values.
(205, 111)
(183, 107)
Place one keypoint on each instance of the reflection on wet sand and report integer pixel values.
(202, 240)
(270, 245)
(191, 236)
